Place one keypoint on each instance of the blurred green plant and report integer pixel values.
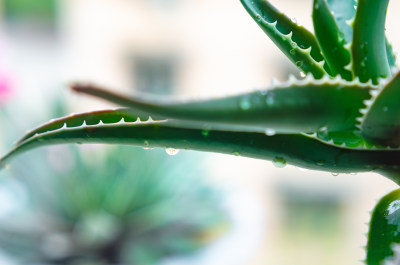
(110, 205)
(342, 117)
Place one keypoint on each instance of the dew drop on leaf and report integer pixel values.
(146, 145)
(236, 153)
(245, 103)
(172, 151)
(205, 132)
(270, 132)
(302, 169)
(279, 162)
(335, 174)
(299, 63)
(323, 133)
(270, 100)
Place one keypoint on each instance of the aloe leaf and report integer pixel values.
(295, 106)
(369, 42)
(331, 40)
(384, 236)
(90, 118)
(381, 123)
(344, 11)
(297, 150)
(390, 55)
(296, 42)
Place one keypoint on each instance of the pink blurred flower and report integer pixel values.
(5, 88)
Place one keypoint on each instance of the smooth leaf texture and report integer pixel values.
(331, 40)
(384, 235)
(382, 121)
(369, 41)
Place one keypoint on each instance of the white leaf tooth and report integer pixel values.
(121, 121)
(274, 83)
(292, 79)
(64, 126)
(363, 111)
(138, 120)
(84, 123)
(150, 119)
(374, 92)
(100, 123)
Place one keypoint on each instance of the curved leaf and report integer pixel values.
(292, 107)
(384, 235)
(344, 11)
(89, 118)
(382, 120)
(331, 40)
(297, 150)
(297, 43)
(369, 42)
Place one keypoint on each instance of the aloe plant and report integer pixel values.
(342, 117)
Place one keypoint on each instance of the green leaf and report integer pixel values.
(297, 43)
(331, 40)
(344, 11)
(369, 42)
(382, 120)
(384, 235)
(390, 55)
(292, 107)
(90, 118)
(299, 150)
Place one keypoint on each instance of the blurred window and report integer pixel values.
(32, 14)
(155, 75)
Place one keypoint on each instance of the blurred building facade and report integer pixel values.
(192, 48)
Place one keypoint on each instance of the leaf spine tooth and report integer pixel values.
(84, 123)
(122, 120)
(100, 123)
(138, 120)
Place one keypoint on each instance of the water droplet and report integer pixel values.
(236, 153)
(302, 74)
(292, 51)
(279, 162)
(335, 174)
(270, 132)
(316, 6)
(364, 62)
(205, 132)
(323, 133)
(270, 98)
(172, 151)
(263, 92)
(302, 169)
(299, 63)
(146, 145)
(320, 163)
(364, 47)
(385, 108)
(258, 17)
(245, 103)
(294, 20)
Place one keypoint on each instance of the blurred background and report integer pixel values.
(92, 204)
